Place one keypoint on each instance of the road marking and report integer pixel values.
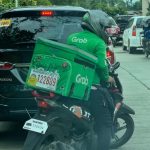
(142, 83)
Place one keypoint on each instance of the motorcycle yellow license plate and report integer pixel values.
(43, 79)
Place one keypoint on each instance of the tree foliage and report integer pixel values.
(112, 7)
(6, 4)
(34, 2)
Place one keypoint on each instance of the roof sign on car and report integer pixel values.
(47, 13)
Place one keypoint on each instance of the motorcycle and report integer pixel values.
(123, 126)
(62, 124)
(145, 36)
(145, 43)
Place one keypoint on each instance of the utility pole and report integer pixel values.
(108, 5)
(16, 3)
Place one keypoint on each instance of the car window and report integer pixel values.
(139, 22)
(130, 23)
(18, 29)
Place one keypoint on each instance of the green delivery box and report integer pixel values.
(61, 68)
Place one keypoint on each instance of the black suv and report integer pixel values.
(122, 21)
(19, 29)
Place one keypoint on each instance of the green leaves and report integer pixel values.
(7, 4)
(112, 7)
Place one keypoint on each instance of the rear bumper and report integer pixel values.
(136, 42)
(6, 114)
(17, 110)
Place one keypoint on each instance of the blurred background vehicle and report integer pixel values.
(131, 35)
(122, 21)
(145, 36)
(113, 31)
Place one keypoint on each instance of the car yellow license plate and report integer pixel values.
(5, 22)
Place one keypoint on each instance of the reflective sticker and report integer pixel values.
(32, 80)
(76, 110)
(5, 22)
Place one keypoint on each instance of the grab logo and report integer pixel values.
(79, 40)
(82, 80)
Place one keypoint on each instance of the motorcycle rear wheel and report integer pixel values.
(128, 125)
(55, 138)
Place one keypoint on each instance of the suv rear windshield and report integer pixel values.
(17, 28)
(123, 19)
(122, 22)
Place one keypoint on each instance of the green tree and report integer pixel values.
(137, 5)
(43, 2)
(109, 8)
(6, 4)
(34, 2)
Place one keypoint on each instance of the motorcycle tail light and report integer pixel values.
(6, 66)
(43, 104)
(110, 56)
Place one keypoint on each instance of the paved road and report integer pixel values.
(135, 76)
(11, 136)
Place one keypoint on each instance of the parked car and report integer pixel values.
(122, 21)
(131, 35)
(19, 29)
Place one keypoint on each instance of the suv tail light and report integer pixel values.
(110, 55)
(6, 66)
(134, 31)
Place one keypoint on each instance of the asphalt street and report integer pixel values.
(134, 73)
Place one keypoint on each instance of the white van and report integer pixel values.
(131, 35)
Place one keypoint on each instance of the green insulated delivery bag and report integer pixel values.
(61, 68)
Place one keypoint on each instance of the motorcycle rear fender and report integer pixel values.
(126, 109)
(64, 116)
